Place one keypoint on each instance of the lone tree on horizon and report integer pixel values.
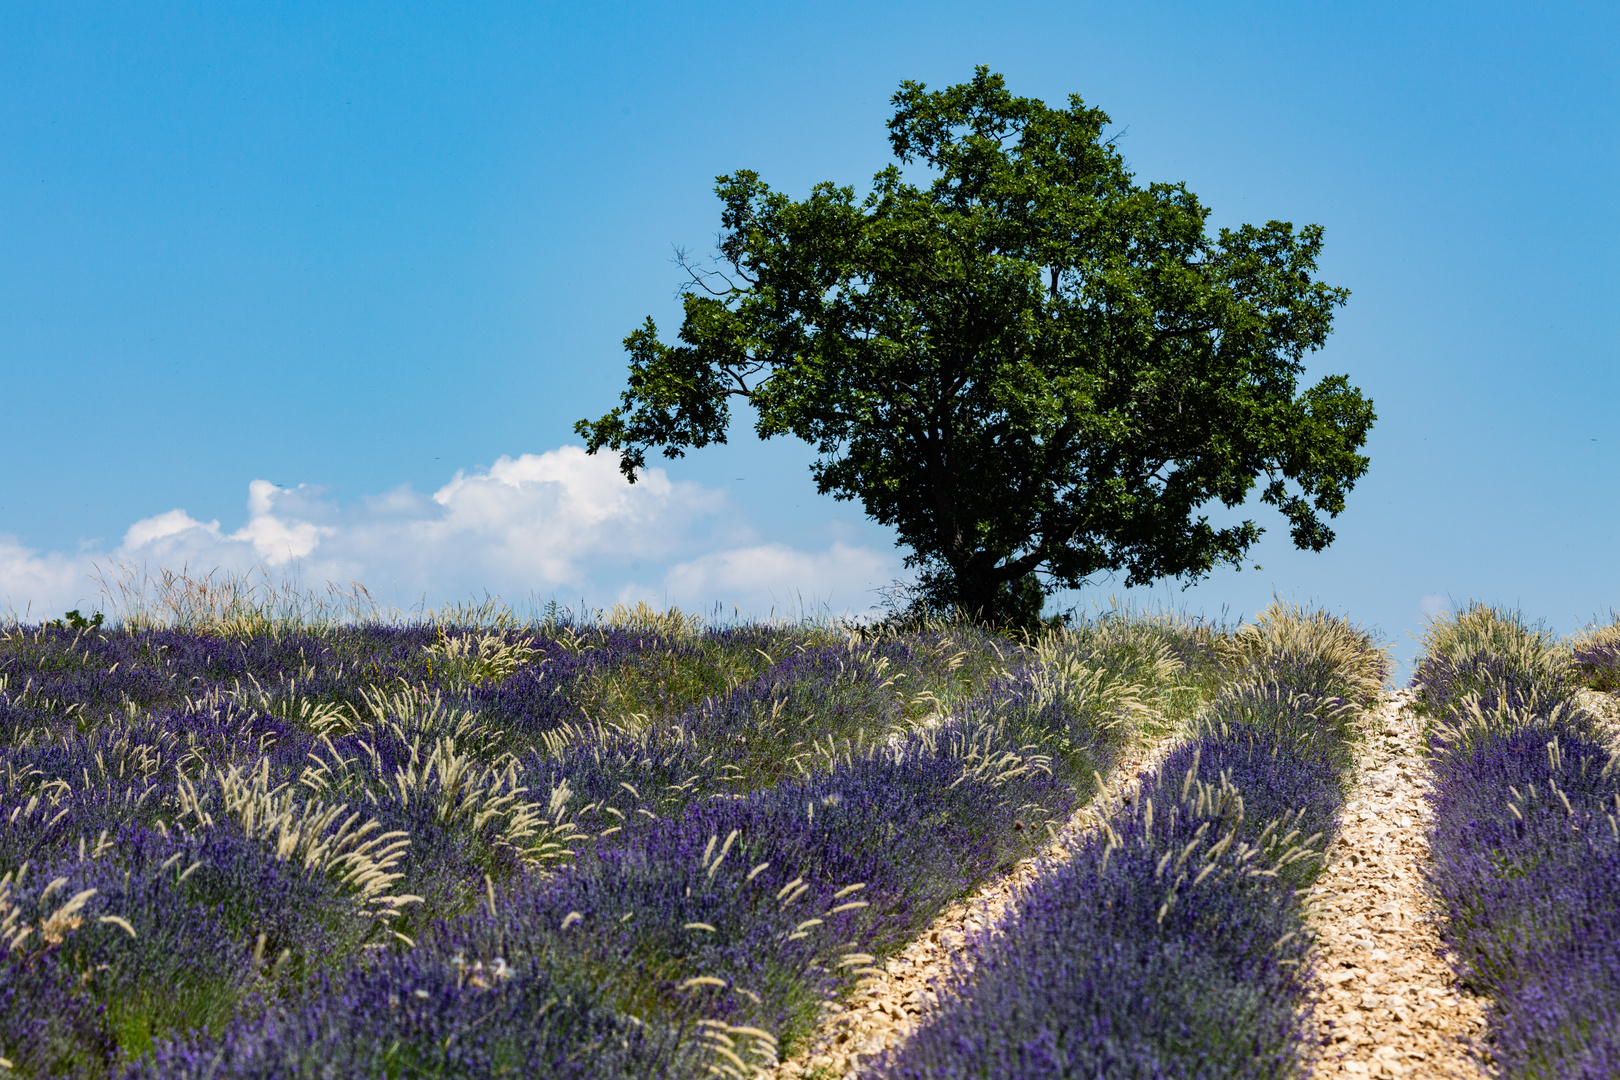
(1034, 369)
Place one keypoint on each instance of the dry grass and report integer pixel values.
(230, 603)
(1597, 633)
(326, 838)
(1480, 631)
(1286, 634)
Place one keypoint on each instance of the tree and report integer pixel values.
(1028, 365)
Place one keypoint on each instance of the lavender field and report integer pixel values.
(639, 846)
(628, 848)
(1527, 836)
(1172, 943)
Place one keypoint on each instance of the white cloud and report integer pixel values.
(562, 523)
(166, 530)
(842, 578)
(35, 586)
(1434, 605)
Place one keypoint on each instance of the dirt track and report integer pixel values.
(1387, 1003)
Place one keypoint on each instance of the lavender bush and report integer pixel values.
(1525, 844)
(1596, 653)
(1599, 664)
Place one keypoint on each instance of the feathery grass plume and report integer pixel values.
(490, 615)
(1136, 643)
(1489, 652)
(284, 702)
(1480, 631)
(1474, 719)
(1070, 719)
(645, 619)
(26, 942)
(1324, 654)
(229, 603)
(556, 689)
(1126, 640)
(940, 663)
(466, 659)
(1066, 666)
(488, 800)
(320, 837)
(638, 677)
(1069, 672)
(1290, 721)
(467, 817)
(409, 712)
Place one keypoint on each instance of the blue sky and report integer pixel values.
(337, 279)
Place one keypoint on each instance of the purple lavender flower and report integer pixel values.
(1525, 852)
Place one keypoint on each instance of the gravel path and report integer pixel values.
(1606, 707)
(890, 1005)
(1387, 1001)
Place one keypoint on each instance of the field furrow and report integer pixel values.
(1387, 1002)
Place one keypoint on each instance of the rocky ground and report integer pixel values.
(1606, 707)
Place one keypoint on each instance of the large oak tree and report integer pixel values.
(1028, 364)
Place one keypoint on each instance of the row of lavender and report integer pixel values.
(1171, 943)
(412, 852)
(1525, 841)
(257, 812)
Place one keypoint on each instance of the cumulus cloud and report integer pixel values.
(838, 579)
(1434, 605)
(34, 584)
(560, 523)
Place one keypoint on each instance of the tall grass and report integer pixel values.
(1595, 652)
(230, 603)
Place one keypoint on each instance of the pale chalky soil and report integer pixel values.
(1606, 707)
(1387, 1002)
(895, 1002)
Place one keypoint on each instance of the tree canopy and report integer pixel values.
(1032, 367)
